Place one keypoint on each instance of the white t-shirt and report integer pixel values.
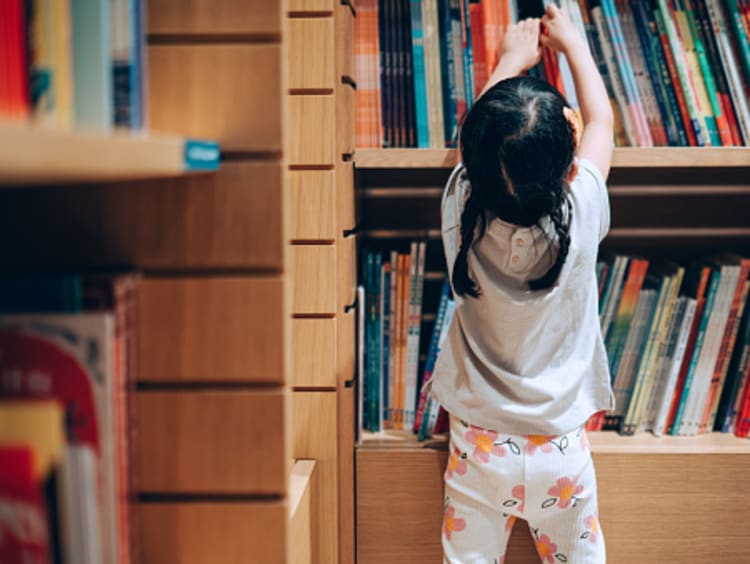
(522, 361)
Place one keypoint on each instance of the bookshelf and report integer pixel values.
(665, 201)
(31, 156)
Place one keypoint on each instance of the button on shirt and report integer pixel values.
(522, 361)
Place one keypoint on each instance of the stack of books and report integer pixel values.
(677, 71)
(67, 63)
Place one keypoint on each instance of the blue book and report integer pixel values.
(377, 384)
(386, 313)
(128, 63)
(420, 82)
(447, 73)
(92, 64)
(468, 53)
(368, 353)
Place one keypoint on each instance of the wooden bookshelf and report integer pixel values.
(33, 156)
(655, 157)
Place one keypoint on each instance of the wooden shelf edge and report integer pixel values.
(300, 481)
(601, 443)
(652, 157)
(35, 156)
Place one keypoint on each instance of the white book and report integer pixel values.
(434, 411)
(79, 510)
(614, 294)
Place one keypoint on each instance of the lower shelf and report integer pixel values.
(675, 503)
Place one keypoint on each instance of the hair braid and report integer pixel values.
(562, 229)
(462, 282)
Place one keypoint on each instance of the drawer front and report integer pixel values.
(201, 532)
(207, 91)
(345, 202)
(313, 204)
(211, 17)
(347, 271)
(344, 17)
(310, 6)
(346, 345)
(344, 119)
(314, 279)
(312, 117)
(242, 431)
(223, 329)
(311, 53)
(314, 357)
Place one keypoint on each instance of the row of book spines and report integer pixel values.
(394, 290)
(662, 333)
(74, 62)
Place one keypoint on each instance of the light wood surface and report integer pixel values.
(217, 91)
(314, 289)
(33, 156)
(203, 532)
(345, 439)
(312, 130)
(314, 427)
(344, 119)
(344, 22)
(346, 250)
(213, 442)
(345, 207)
(244, 17)
(301, 541)
(314, 352)
(311, 56)
(315, 6)
(211, 329)
(313, 204)
(654, 157)
(346, 347)
(636, 492)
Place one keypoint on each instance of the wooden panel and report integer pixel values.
(344, 40)
(211, 17)
(314, 352)
(635, 491)
(346, 346)
(346, 423)
(313, 204)
(314, 279)
(311, 55)
(298, 6)
(312, 129)
(230, 219)
(346, 250)
(314, 431)
(201, 532)
(215, 91)
(212, 442)
(344, 119)
(301, 541)
(345, 208)
(225, 329)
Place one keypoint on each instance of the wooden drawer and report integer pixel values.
(344, 119)
(314, 6)
(347, 512)
(228, 219)
(224, 329)
(400, 523)
(314, 347)
(311, 55)
(201, 532)
(215, 91)
(211, 17)
(314, 274)
(344, 17)
(228, 442)
(314, 430)
(347, 271)
(346, 347)
(312, 129)
(313, 204)
(345, 206)
(301, 539)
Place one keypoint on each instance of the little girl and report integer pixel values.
(524, 365)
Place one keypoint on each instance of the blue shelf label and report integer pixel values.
(202, 155)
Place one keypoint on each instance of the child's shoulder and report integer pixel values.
(590, 197)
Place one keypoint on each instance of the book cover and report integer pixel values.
(433, 409)
(456, 30)
(468, 52)
(433, 73)
(448, 73)
(393, 333)
(412, 348)
(734, 384)
(386, 343)
(479, 51)
(125, 65)
(741, 35)
(410, 112)
(419, 74)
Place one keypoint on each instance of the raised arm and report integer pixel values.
(597, 139)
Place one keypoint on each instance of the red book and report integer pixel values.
(481, 73)
(14, 93)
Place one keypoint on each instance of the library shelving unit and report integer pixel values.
(214, 473)
(673, 499)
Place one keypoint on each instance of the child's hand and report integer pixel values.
(521, 44)
(559, 32)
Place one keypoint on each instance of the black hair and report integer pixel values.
(517, 147)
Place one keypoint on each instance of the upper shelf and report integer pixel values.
(32, 156)
(655, 157)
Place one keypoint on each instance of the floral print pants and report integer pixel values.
(493, 478)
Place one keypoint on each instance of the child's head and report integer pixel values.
(518, 145)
